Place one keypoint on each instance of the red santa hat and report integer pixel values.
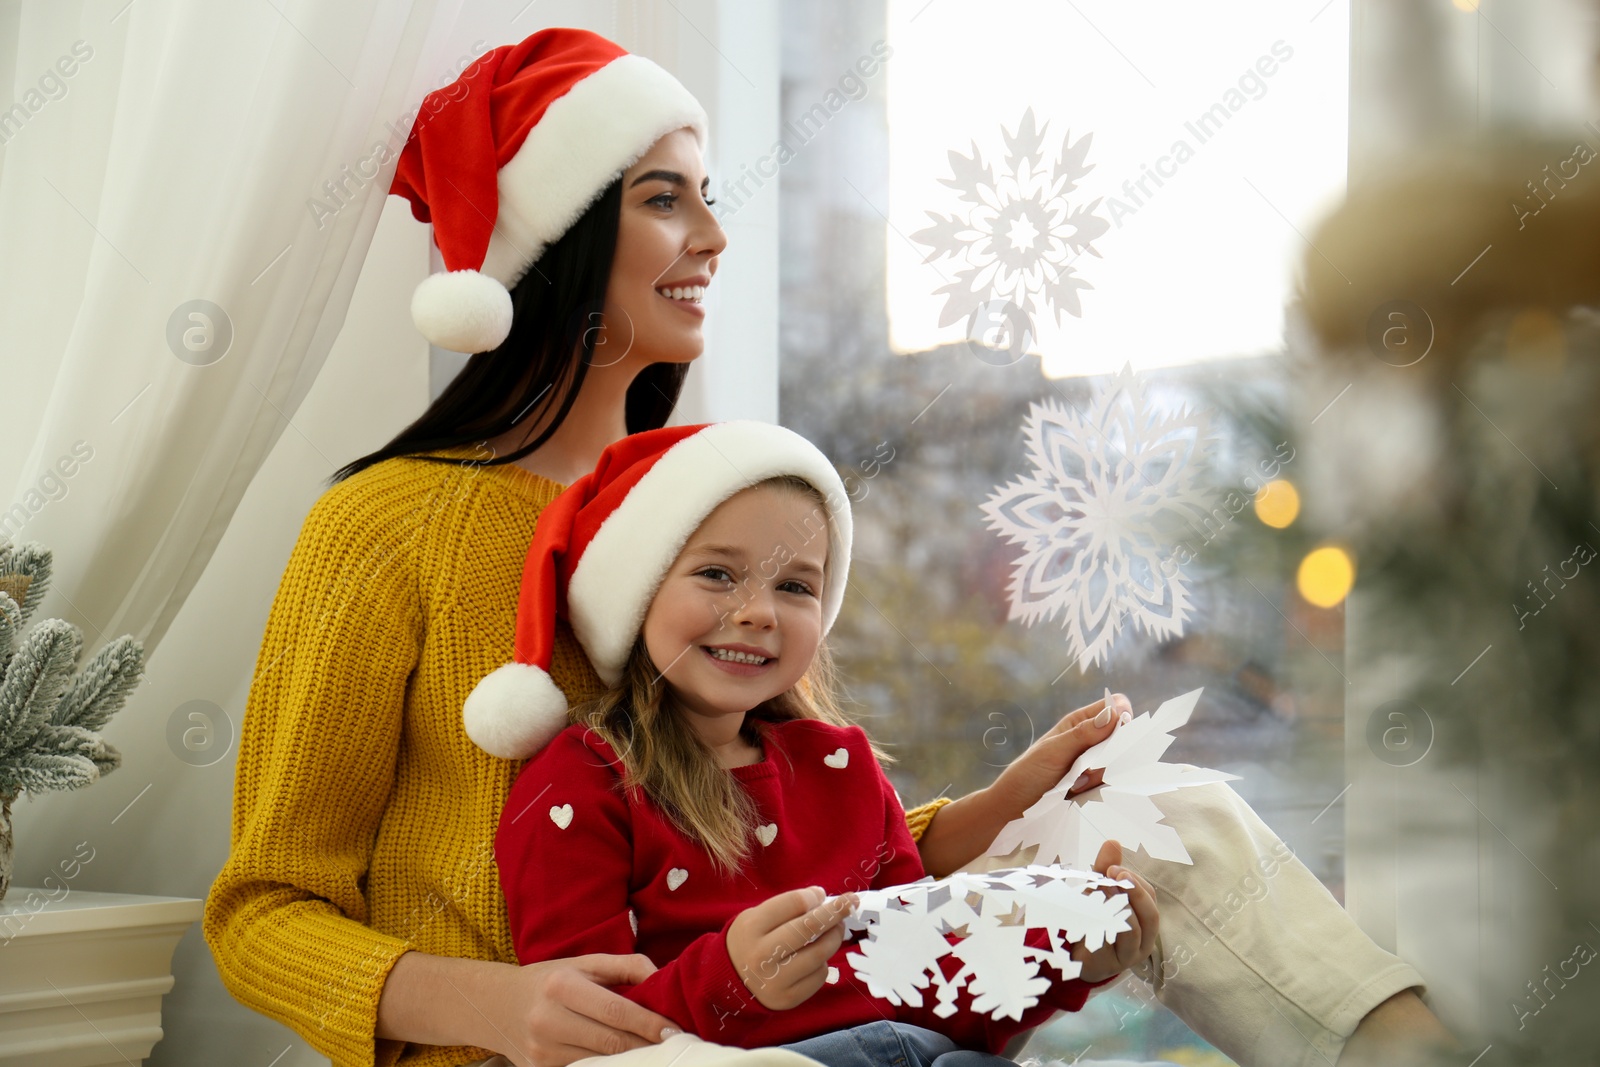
(601, 549)
(508, 156)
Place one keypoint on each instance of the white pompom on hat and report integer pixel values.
(601, 549)
(507, 157)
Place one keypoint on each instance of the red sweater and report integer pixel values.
(587, 867)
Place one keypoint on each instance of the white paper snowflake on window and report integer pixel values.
(1071, 829)
(982, 920)
(1110, 491)
(1018, 240)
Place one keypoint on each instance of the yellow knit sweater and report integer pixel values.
(363, 817)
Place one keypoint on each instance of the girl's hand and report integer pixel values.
(1132, 945)
(1038, 770)
(560, 1011)
(963, 829)
(781, 947)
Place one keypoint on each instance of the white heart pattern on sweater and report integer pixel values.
(561, 815)
(839, 760)
(676, 877)
(767, 834)
(833, 975)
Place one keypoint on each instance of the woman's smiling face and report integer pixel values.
(667, 239)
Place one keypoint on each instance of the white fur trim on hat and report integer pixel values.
(514, 711)
(598, 128)
(623, 565)
(462, 310)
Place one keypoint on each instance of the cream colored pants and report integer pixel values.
(1254, 954)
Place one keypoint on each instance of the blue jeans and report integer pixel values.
(892, 1044)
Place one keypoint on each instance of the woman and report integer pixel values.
(359, 904)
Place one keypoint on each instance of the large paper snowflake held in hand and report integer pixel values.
(1021, 234)
(1072, 829)
(982, 920)
(1098, 514)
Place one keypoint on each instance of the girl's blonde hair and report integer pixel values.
(646, 725)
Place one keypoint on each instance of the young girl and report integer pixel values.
(701, 809)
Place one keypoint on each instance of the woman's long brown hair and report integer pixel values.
(534, 373)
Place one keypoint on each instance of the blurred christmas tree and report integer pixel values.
(1460, 470)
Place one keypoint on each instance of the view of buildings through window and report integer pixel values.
(931, 308)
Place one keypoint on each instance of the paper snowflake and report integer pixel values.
(1021, 234)
(982, 920)
(1072, 829)
(1098, 514)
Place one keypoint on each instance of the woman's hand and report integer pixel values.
(781, 947)
(559, 1011)
(963, 829)
(1131, 945)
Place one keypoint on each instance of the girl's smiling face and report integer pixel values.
(667, 239)
(738, 618)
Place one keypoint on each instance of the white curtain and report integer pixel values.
(153, 154)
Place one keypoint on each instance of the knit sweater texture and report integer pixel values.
(363, 817)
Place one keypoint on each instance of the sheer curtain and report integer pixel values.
(187, 194)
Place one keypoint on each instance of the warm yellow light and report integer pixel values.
(1326, 575)
(1466, 5)
(1277, 503)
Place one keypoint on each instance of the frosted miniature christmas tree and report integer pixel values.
(50, 712)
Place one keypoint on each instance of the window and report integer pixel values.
(933, 303)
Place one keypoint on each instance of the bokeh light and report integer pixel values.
(1278, 503)
(1325, 576)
